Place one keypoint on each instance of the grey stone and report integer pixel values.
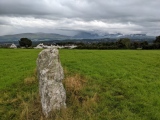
(50, 76)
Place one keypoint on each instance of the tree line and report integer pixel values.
(122, 43)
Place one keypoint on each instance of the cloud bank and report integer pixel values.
(111, 16)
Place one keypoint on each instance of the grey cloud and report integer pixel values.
(143, 14)
(81, 8)
(4, 22)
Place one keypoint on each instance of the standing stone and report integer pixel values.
(50, 75)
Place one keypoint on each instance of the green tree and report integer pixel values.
(124, 43)
(25, 42)
(157, 39)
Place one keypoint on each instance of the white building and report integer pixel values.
(42, 46)
(39, 46)
(13, 46)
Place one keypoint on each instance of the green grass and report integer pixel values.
(126, 81)
(17, 94)
(15, 65)
(119, 85)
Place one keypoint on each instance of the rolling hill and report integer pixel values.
(79, 36)
(34, 37)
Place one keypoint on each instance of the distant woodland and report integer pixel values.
(122, 43)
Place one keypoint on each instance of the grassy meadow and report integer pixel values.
(15, 65)
(100, 85)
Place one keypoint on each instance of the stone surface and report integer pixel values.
(50, 75)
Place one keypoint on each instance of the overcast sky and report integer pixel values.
(65, 16)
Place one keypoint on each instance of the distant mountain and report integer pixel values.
(34, 37)
(86, 35)
(116, 35)
(79, 36)
(139, 37)
(92, 35)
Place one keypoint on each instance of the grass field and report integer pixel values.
(100, 85)
(15, 65)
